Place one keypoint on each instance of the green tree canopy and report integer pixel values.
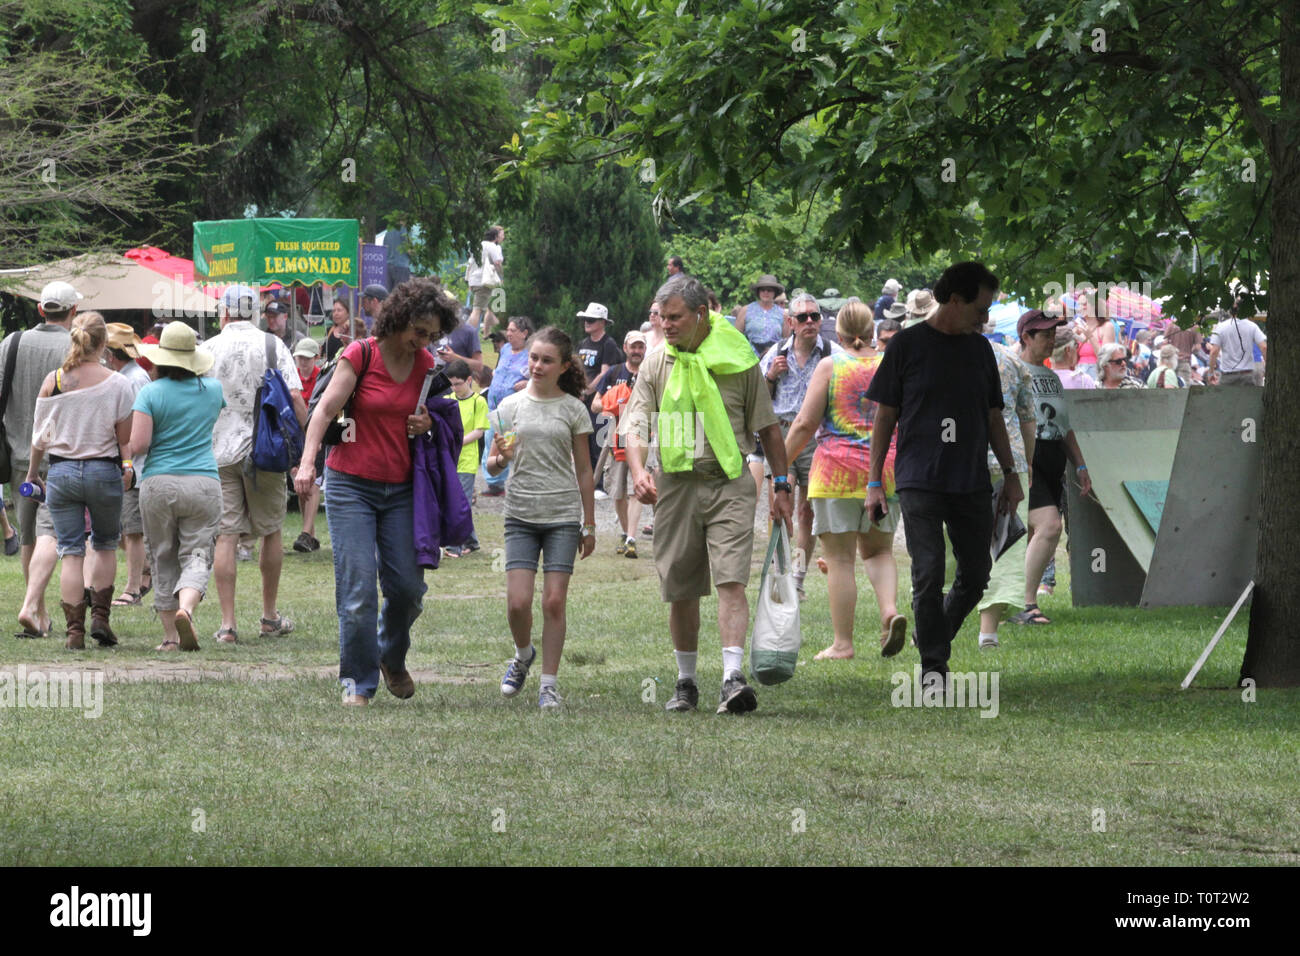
(1114, 140)
(1101, 138)
(586, 237)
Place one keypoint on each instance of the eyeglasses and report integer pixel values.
(807, 316)
(654, 311)
(1116, 362)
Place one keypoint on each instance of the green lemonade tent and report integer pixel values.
(291, 251)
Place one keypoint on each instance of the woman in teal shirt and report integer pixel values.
(180, 496)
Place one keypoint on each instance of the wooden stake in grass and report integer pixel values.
(1205, 654)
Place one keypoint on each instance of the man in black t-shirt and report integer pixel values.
(598, 354)
(597, 351)
(938, 381)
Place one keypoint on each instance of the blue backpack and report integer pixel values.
(277, 436)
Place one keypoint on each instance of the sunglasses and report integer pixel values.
(1116, 362)
(807, 316)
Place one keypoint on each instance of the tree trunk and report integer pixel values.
(1273, 647)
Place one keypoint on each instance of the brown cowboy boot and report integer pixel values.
(75, 615)
(100, 606)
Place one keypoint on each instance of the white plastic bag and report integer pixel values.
(774, 647)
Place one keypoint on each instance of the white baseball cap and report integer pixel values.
(239, 299)
(59, 297)
(594, 310)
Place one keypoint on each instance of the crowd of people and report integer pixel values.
(850, 419)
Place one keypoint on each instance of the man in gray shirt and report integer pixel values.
(1232, 349)
(40, 351)
(788, 367)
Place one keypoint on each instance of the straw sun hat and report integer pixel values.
(178, 345)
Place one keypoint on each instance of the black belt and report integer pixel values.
(56, 459)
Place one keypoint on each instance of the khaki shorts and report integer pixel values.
(44, 524)
(481, 296)
(251, 504)
(34, 519)
(617, 478)
(843, 515)
(801, 465)
(703, 525)
(132, 523)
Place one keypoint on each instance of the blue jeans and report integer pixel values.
(526, 542)
(72, 487)
(372, 527)
(500, 480)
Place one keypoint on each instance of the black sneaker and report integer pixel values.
(737, 696)
(686, 696)
(303, 543)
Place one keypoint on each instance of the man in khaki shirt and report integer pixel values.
(704, 520)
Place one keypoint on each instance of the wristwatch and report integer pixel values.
(781, 484)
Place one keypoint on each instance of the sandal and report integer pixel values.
(277, 628)
(185, 628)
(1031, 615)
(168, 646)
(893, 636)
(222, 638)
(127, 599)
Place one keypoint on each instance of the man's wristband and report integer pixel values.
(1081, 468)
(873, 484)
(781, 484)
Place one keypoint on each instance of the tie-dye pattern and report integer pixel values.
(842, 461)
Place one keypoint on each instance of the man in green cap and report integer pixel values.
(706, 398)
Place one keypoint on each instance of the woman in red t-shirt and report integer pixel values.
(369, 496)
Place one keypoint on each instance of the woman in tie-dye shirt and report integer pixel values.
(836, 408)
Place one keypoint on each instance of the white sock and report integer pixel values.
(524, 653)
(686, 664)
(630, 540)
(988, 638)
(548, 680)
(733, 659)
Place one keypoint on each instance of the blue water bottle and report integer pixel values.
(31, 490)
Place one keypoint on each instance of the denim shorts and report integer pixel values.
(557, 542)
(72, 488)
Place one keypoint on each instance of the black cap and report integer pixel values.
(375, 291)
(276, 308)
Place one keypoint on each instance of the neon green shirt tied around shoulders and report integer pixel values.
(691, 390)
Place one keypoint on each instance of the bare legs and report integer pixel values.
(840, 551)
(519, 611)
(38, 568)
(309, 504)
(1044, 535)
(733, 619)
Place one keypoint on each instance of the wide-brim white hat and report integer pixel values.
(179, 345)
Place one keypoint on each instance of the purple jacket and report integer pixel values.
(442, 515)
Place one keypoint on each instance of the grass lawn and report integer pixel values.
(257, 762)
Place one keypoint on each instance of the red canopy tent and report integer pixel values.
(163, 262)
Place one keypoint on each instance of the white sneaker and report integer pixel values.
(600, 494)
(549, 698)
(988, 642)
